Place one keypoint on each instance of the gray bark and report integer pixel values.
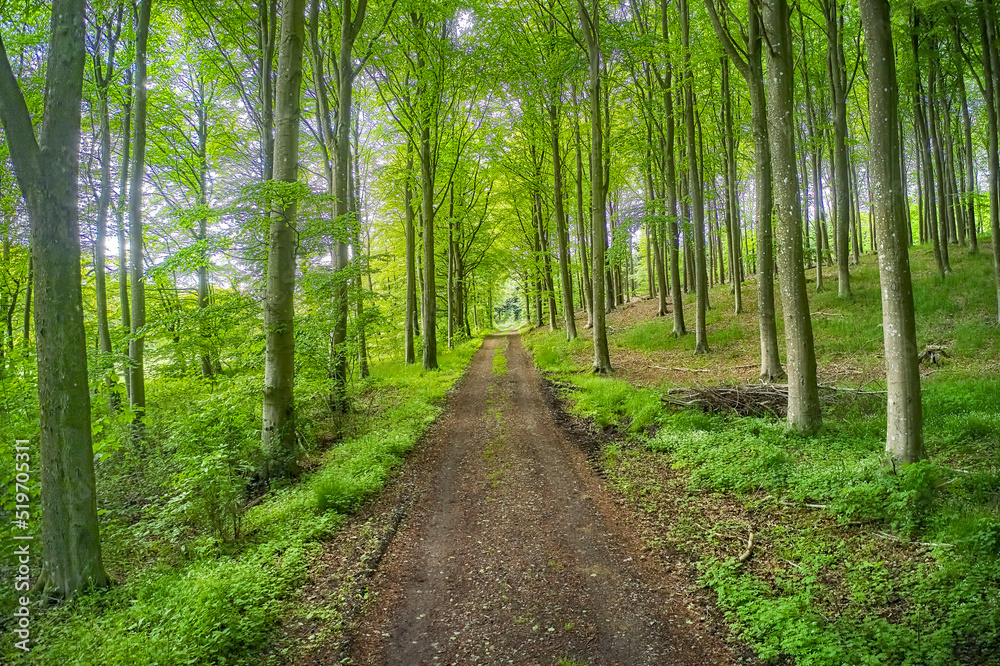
(411, 263)
(904, 433)
(122, 205)
(833, 11)
(599, 232)
(207, 371)
(752, 71)
(803, 392)
(588, 287)
(697, 202)
(47, 172)
(278, 422)
(136, 375)
(430, 361)
(991, 68)
(557, 188)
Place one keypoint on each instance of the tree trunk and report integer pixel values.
(207, 371)
(670, 185)
(904, 433)
(136, 376)
(278, 425)
(697, 203)
(450, 283)
(939, 170)
(411, 262)
(267, 16)
(833, 11)
(588, 286)
(752, 71)
(557, 193)
(732, 212)
(656, 231)
(803, 391)
(599, 231)
(123, 179)
(543, 235)
(923, 138)
(100, 270)
(430, 361)
(47, 172)
(356, 249)
(813, 149)
(970, 171)
(26, 328)
(991, 68)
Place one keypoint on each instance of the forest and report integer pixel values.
(305, 299)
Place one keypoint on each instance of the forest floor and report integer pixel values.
(511, 549)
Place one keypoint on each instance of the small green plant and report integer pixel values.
(214, 448)
(499, 362)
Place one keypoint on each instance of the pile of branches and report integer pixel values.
(741, 399)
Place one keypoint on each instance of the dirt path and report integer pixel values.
(513, 551)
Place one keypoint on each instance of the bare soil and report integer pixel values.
(512, 550)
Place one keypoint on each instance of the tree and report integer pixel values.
(103, 74)
(136, 375)
(991, 78)
(335, 127)
(749, 63)
(589, 22)
(803, 390)
(904, 418)
(47, 171)
(697, 203)
(278, 429)
(834, 14)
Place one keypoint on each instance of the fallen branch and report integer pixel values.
(660, 367)
(826, 314)
(746, 553)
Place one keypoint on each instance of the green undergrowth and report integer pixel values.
(856, 561)
(194, 589)
(842, 598)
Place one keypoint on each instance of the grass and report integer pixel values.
(499, 361)
(959, 312)
(856, 562)
(186, 597)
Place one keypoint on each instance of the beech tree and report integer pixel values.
(335, 126)
(697, 203)
(136, 374)
(47, 171)
(278, 430)
(590, 26)
(749, 63)
(904, 433)
(803, 390)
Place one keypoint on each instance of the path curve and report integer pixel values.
(514, 553)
